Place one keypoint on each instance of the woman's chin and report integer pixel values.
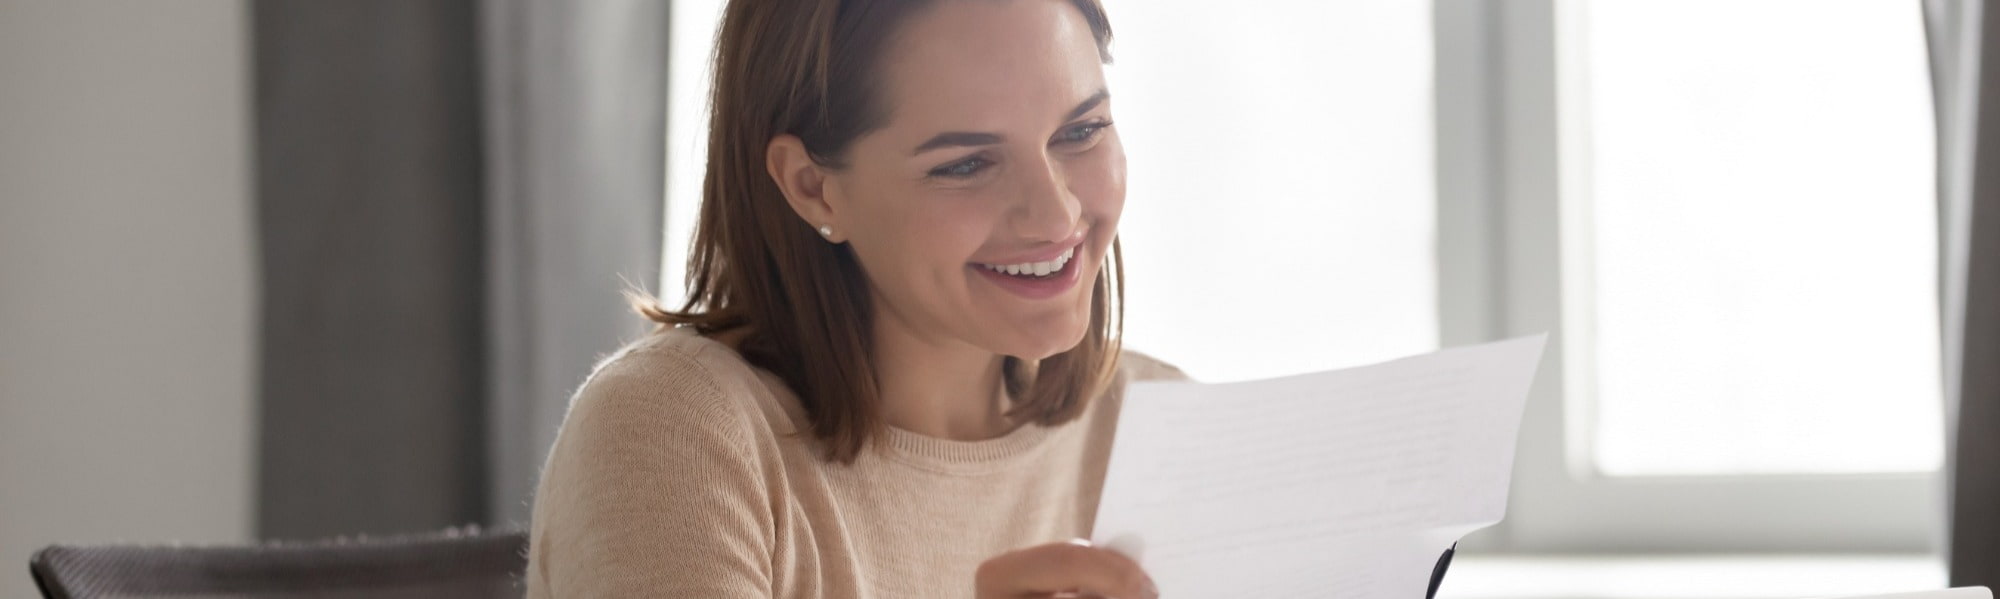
(1037, 345)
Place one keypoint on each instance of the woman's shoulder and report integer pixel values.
(1134, 366)
(675, 376)
(1140, 366)
(662, 459)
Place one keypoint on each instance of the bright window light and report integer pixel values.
(1281, 210)
(691, 42)
(1765, 275)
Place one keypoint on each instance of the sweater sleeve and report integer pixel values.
(1141, 367)
(653, 489)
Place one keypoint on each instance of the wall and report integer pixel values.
(126, 290)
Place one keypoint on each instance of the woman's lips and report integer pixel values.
(1042, 287)
(1075, 241)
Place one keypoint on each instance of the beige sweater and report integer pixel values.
(676, 474)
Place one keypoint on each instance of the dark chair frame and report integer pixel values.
(467, 563)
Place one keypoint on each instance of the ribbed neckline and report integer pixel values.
(965, 456)
(911, 448)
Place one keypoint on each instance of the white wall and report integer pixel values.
(126, 275)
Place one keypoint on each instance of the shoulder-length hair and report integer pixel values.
(807, 68)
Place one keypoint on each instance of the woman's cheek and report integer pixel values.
(952, 229)
(1098, 180)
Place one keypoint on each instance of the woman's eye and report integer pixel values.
(1081, 133)
(961, 169)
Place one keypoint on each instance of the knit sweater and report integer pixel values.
(681, 471)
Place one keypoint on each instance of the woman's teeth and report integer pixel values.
(1038, 269)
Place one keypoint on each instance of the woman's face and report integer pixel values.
(997, 155)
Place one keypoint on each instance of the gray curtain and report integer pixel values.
(367, 166)
(576, 124)
(1965, 74)
(451, 195)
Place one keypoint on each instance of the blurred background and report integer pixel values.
(285, 269)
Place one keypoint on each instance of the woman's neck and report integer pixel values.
(941, 388)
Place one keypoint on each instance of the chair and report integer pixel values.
(451, 564)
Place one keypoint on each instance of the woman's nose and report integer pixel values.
(1047, 210)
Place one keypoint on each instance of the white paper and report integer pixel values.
(1348, 483)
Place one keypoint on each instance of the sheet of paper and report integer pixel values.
(1348, 483)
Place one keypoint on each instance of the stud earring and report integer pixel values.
(825, 231)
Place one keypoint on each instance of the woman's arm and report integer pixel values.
(653, 489)
(1141, 367)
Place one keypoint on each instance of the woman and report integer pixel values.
(898, 372)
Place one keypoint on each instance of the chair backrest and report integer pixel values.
(453, 564)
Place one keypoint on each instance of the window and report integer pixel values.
(689, 44)
(1725, 211)
(1280, 215)
(1761, 237)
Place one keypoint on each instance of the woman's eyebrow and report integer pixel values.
(957, 138)
(970, 138)
(1087, 104)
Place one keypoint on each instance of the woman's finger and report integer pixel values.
(1080, 569)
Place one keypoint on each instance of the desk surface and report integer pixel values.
(1488, 576)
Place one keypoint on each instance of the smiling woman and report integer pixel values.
(898, 367)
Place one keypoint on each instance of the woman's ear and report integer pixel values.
(803, 183)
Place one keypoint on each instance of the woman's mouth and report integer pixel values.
(1034, 269)
(1035, 280)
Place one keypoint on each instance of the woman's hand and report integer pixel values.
(1072, 569)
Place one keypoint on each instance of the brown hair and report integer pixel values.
(806, 68)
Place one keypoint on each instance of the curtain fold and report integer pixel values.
(367, 168)
(576, 140)
(1964, 76)
(451, 196)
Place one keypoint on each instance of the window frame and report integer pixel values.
(1512, 196)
